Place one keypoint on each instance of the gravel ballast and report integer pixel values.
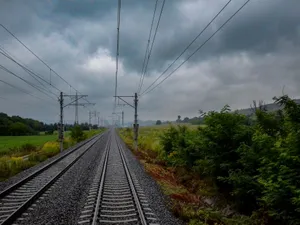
(61, 204)
(157, 200)
(25, 173)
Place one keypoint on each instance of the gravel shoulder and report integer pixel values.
(157, 200)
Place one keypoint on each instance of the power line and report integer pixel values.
(118, 45)
(30, 72)
(37, 56)
(32, 85)
(147, 47)
(207, 40)
(201, 32)
(13, 86)
(149, 55)
(26, 68)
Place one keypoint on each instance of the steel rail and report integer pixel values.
(132, 187)
(18, 212)
(96, 214)
(104, 168)
(37, 172)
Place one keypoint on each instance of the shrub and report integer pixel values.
(77, 134)
(4, 168)
(28, 147)
(50, 149)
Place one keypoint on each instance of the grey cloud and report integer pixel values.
(251, 58)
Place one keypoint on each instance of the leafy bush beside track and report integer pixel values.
(254, 164)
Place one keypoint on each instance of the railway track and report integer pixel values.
(115, 196)
(16, 199)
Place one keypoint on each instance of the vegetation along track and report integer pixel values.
(115, 197)
(17, 198)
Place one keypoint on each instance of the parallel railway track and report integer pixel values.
(115, 196)
(17, 198)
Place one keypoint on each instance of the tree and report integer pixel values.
(178, 119)
(261, 106)
(158, 122)
(186, 120)
(19, 128)
(77, 133)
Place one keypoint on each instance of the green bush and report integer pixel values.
(77, 134)
(254, 161)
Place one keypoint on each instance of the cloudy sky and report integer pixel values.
(253, 57)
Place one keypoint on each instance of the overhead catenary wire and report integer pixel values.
(13, 58)
(30, 72)
(42, 61)
(204, 43)
(189, 45)
(147, 47)
(153, 41)
(27, 82)
(20, 89)
(117, 50)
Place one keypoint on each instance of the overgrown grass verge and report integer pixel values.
(252, 161)
(194, 200)
(14, 162)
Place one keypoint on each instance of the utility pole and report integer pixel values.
(76, 104)
(91, 115)
(90, 118)
(122, 118)
(61, 126)
(136, 125)
(76, 108)
(61, 109)
(98, 117)
(122, 105)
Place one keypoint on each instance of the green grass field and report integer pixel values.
(10, 142)
(7, 142)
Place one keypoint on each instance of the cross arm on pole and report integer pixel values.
(120, 97)
(75, 95)
(73, 101)
(83, 104)
(124, 96)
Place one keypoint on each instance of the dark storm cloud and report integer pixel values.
(253, 57)
(257, 28)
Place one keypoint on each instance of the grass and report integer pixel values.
(190, 196)
(9, 142)
(38, 149)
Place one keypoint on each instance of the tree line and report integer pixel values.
(194, 121)
(16, 126)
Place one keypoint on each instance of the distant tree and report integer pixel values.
(49, 132)
(178, 119)
(261, 106)
(19, 128)
(186, 120)
(158, 122)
